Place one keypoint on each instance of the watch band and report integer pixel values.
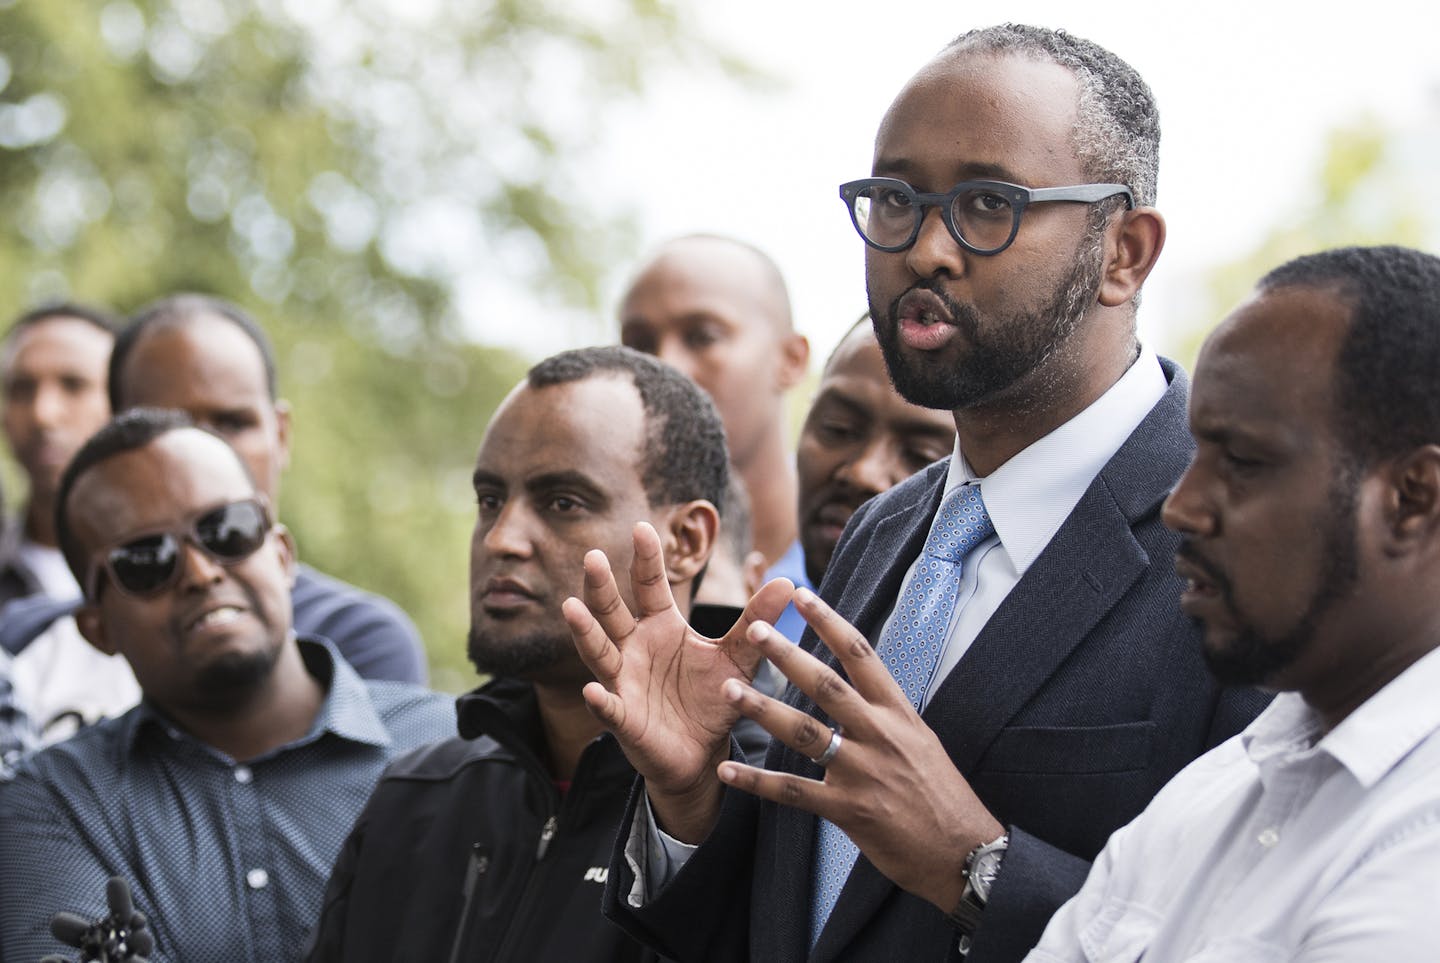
(966, 914)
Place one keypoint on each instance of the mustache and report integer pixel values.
(965, 317)
(1187, 551)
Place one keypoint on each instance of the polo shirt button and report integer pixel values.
(243, 775)
(257, 879)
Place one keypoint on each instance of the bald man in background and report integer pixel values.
(717, 309)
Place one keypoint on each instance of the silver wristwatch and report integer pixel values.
(981, 868)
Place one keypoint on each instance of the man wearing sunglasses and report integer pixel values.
(223, 798)
(206, 357)
(1005, 677)
(211, 360)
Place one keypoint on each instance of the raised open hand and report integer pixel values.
(658, 681)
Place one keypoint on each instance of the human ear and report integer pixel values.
(88, 621)
(1132, 245)
(794, 359)
(282, 431)
(289, 555)
(1412, 504)
(688, 538)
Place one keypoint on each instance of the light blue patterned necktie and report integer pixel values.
(911, 651)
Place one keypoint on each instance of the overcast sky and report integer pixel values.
(1247, 93)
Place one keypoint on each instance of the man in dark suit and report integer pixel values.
(1008, 700)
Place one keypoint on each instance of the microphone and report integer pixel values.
(70, 929)
(117, 895)
(120, 936)
(123, 918)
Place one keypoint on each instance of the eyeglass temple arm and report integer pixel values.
(1085, 193)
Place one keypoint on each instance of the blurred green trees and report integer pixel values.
(1372, 186)
(336, 168)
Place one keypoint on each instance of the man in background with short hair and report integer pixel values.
(53, 368)
(717, 308)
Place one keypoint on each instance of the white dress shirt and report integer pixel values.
(1284, 843)
(1028, 498)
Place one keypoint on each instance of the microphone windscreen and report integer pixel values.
(117, 894)
(141, 942)
(69, 928)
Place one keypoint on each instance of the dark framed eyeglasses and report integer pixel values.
(982, 216)
(145, 565)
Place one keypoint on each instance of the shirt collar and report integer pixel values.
(1030, 496)
(1370, 741)
(347, 711)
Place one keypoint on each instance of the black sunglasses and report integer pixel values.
(982, 216)
(146, 565)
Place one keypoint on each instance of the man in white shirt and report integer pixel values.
(1060, 685)
(1310, 524)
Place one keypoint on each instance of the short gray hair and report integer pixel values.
(1117, 130)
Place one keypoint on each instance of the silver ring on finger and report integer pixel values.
(828, 756)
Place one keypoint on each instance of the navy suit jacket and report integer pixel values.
(1083, 694)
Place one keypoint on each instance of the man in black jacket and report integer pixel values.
(493, 845)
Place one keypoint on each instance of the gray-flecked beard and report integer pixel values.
(999, 354)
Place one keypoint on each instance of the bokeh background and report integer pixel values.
(417, 198)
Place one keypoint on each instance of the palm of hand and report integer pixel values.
(674, 724)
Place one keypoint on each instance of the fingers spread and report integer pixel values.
(867, 673)
(780, 787)
(595, 648)
(798, 730)
(604, 705)
(602, 597)
(647, 572)
(826, 687)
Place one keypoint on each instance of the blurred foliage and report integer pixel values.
(1368, 190)
(334, 167)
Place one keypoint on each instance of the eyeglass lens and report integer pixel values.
(888, 217)
(228, 534)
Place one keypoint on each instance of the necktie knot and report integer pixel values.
(960, 525)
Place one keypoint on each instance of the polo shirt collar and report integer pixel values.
(346, 711)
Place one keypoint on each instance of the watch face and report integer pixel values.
(983, 873)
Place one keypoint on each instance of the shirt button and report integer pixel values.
(243, 775)
(1268, 837)
(257, 879)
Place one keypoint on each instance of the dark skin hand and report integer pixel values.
(891, 787)
(671, 697)
(658, 681)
